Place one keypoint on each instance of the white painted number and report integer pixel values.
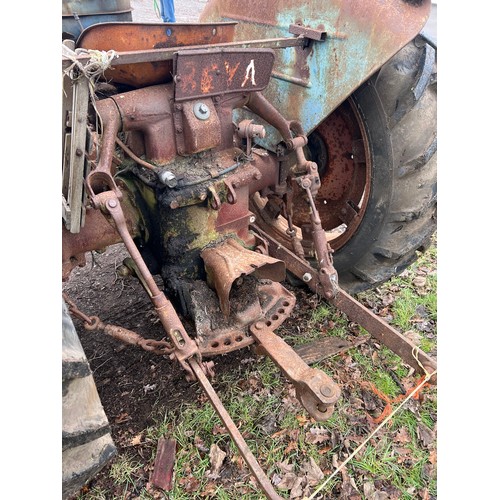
(250, 74)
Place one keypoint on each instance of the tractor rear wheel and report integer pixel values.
(376, 155)
(87, 445)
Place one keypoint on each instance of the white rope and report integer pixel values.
(382, 424)
(98, 63)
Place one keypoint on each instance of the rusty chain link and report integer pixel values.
(92, 323)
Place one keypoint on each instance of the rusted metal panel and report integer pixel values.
(163, 471)
(227, 261)
(323, 348)
(97, 234)
(310, 82)
(200, 127)
(202, 73)
(126, 37)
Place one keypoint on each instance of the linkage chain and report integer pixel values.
(92, 323)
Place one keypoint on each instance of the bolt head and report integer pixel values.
(168, 178)
(201, 111)
(307, 277)
(326, 390)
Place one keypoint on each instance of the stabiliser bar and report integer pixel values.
(355, 311)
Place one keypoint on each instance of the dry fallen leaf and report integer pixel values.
(302, 420)
(279, 433)
(313, 473)
(200, 444)
(217, 456)
(402, 436)
(287, 481)
(425, 435)
(297, 491)
(348, 489)
(219, 429)
(136, 440)
(284, 467)
(420, 281)
(424, 494)
(413, 336)
(317, 435)
(292, 445)
(209, 490)
(403, 454)
(189, 483)
(121, 418)
(371, 493)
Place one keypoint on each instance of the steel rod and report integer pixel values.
(235, 434)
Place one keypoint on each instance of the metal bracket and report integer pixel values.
(306, 32)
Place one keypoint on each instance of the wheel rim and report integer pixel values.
(339, 146)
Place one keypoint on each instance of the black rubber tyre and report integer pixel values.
(87, 445)
(376, 155)
(398, 108)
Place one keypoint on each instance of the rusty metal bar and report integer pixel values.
(233, 431)
(74, 218)
(163, 470)
(185, 346)
(383, 332)
(314, 389)
(376, 327)
(156, 55)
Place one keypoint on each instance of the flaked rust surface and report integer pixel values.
(98, 233)
(337, 146)
(163, 471)
(229, 261)
(202, 73)
(125, 37)
(310, 83)
(314, 389)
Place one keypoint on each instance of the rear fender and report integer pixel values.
(309, 83)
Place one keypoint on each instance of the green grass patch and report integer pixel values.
(123, 470)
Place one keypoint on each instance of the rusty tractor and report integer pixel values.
(288, 140)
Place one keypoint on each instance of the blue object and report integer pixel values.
(78, 15)
(167, 11)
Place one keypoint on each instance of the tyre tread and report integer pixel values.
(87, 445)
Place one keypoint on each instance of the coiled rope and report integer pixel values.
(99, 61)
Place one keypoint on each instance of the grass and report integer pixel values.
(123, 470)
(283, 437)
